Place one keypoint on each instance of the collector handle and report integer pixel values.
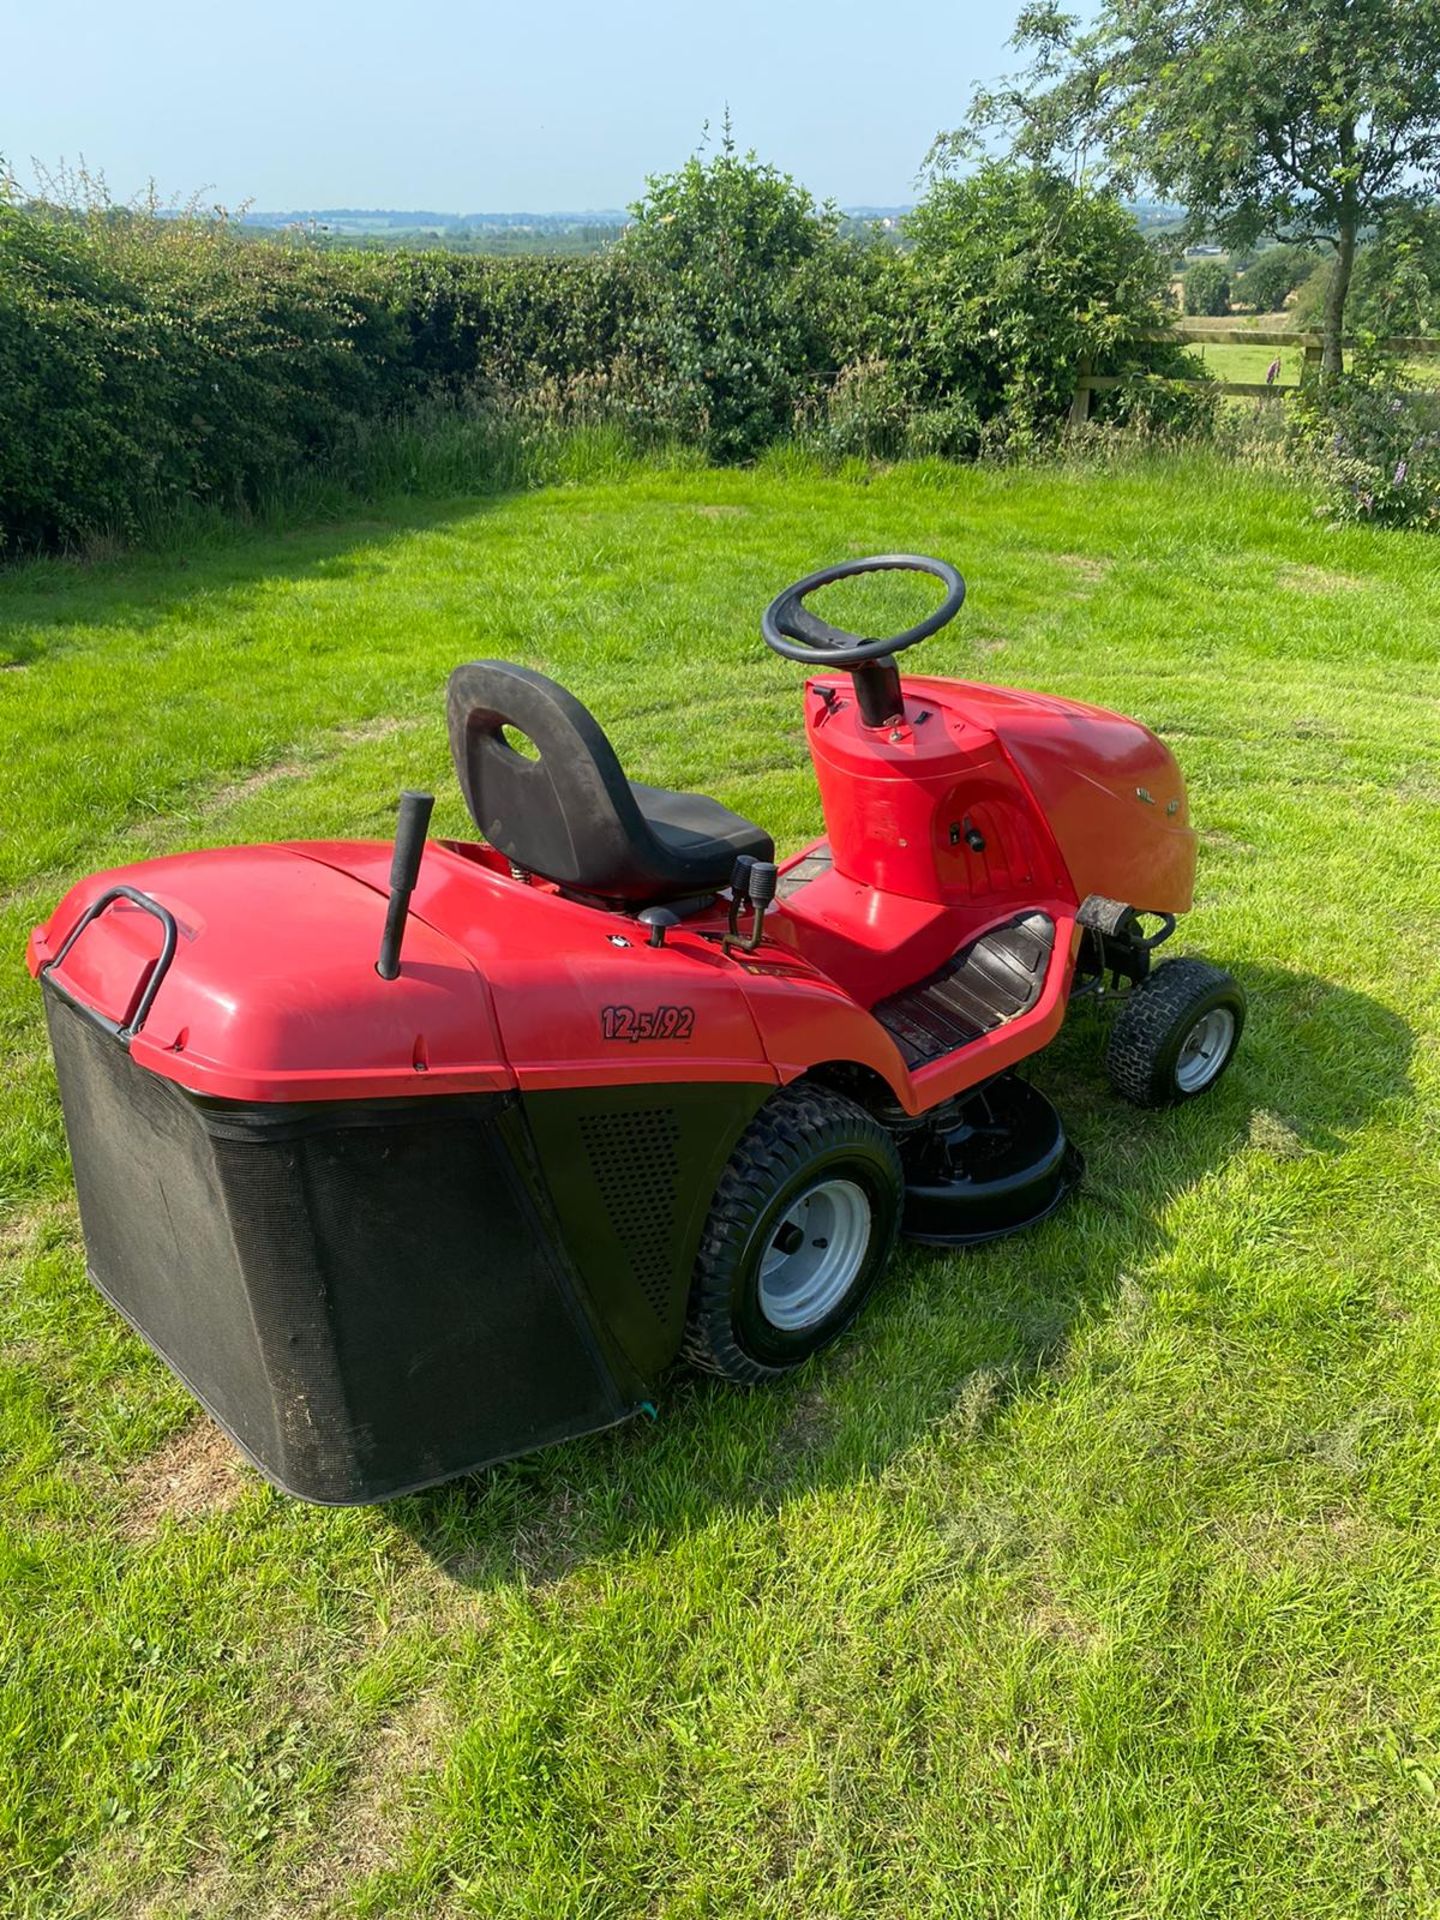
(162, 963)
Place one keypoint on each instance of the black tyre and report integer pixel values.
(803, 1224)
(1175, 1033)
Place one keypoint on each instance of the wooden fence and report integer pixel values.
(1192, 336)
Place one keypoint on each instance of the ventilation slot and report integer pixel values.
(635, 1160)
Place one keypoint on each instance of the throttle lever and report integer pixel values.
(753, 882)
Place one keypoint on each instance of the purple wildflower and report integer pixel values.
(1401, 469)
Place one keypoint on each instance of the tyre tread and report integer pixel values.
(773, 1150)
(1135, 1054)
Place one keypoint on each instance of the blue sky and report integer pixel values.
(470, 107)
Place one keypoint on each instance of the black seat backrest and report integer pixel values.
(568, 815)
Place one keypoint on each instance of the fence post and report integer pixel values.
(1311, 363)
(1080, 405)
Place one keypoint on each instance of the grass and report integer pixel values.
(1244, 363)
(1227, 360)
(1095, 1574)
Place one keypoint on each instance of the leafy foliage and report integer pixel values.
(1305, 119)
(147, 363)
(1016, 279)
(1397, 276)
(141, 364)
(1376, 445)
(1206, 287)
(1273, 275)
(738, 325)
(1396, 284)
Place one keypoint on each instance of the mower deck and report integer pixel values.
(1002, 1163)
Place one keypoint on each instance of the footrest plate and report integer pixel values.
(987, 983)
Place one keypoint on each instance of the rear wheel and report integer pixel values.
(803, 1223)
(1175, 1033)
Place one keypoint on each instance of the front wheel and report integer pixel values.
(804, 1220)
(1175, 1033)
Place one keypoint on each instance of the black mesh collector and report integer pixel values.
(372, 1296)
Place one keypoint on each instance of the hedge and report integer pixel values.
(146, 363)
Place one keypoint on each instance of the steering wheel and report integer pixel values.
(792, 630)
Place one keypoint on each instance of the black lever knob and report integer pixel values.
(764, 876)
(415, 811)
(659, 920)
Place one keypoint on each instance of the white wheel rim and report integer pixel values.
(814, 1255)
(1205, 1049)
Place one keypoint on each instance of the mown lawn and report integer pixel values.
(1093, 1575)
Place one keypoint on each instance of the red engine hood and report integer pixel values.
(272, 994)
(1110, 790)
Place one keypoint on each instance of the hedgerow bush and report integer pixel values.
(1018, 280)
(148, 364)
(509, 324)
(145, 363)
(741, 270)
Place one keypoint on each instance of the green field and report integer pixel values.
(1095, 1575)
(1234, 360)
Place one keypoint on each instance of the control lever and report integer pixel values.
(752, 884)
(739, 892)
(415, 811)
(659, 920)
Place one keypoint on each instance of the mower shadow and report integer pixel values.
(951, 1338)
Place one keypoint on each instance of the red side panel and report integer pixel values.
(273, 994)
(581, 999)
(1124, 830)
(807, 1022)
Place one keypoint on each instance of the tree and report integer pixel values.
(1308, 120)
(738, 329)
(1206, 287)
(1273, 276)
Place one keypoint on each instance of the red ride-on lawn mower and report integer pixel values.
(618, 1087)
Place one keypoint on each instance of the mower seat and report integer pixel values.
(570, 815)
